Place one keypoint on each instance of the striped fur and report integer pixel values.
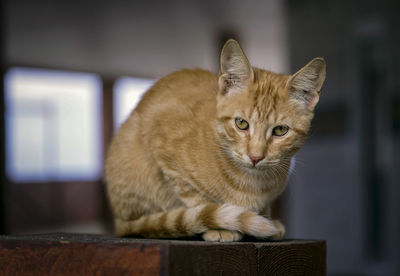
(179, 166)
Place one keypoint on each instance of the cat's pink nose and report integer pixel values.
(255, 159)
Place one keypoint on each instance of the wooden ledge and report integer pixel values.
(77, 254)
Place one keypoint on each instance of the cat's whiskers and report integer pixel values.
(301, 161)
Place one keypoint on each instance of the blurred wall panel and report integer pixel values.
(346, 189)
(142, 38)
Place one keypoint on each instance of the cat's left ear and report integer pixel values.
(305, 86)
(236, 72)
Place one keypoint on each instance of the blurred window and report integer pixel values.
(127, 94)
(53, 125)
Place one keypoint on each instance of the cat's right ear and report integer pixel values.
(235, 72)
(305, 86)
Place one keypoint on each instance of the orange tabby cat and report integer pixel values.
(206, 154)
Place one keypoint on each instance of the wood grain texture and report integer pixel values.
(293, 258)
(79, 258)
(213, 259)
(73, 254)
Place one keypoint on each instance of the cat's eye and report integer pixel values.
(241, 124)
(280, 130)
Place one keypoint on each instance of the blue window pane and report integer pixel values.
(53, 125)
(127, 94)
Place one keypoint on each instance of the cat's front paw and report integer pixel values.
(281, 229)
(222, 235)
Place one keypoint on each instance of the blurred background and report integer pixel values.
(73, 70)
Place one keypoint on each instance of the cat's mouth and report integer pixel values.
(247, 164)
(265, 164)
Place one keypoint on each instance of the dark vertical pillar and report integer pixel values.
(369, 80)
(2, 121)
(394, 7)
(108, 117)
(108, 131)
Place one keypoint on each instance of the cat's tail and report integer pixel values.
(183, 222)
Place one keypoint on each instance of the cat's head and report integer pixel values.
(263, 118)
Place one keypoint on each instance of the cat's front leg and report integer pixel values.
(281, 228)
(230, 236)
(190, 197)
(222, 235)
(266, 212)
